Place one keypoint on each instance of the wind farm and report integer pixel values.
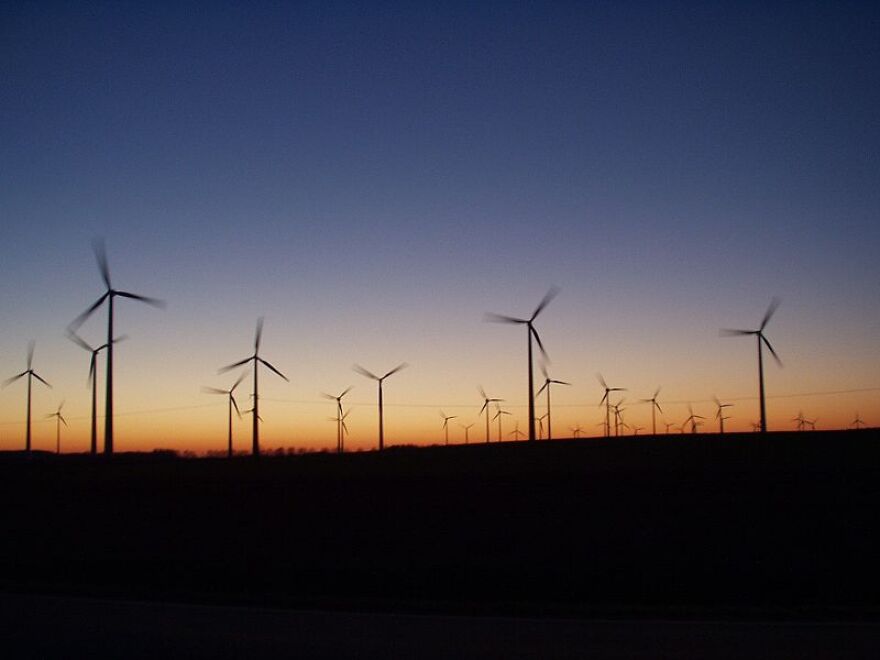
(627, 184)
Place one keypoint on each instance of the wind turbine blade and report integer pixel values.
(91, 368)
(727, 332)
(482, 392)
(9, 381)
(79, 320)
(481, 409)
(550, 295)
(363, 372)
(30, 353)
(543, 387)
(258, 336)
(442, 414)
(155, 302)
(79, 341)
(274, 369)
(604, 398)
(490, 317)
(769, 313)
(347, 390)
(120, 338)
(560, 382)
(328, 396)
(602, 381)
(658, 407)
(540, 343)
(237, 383)
(37, 376)
(206, 389)
(402, 365)
(657, 392)
(235, 405)
(223, 370)
(544, 372)
(772, 352)
(100, 250)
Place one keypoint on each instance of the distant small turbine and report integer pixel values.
(232, 404)
(576, 431)
(618, 416)
(76, 339)
(59, 420)
(801, 421)
(486, 402)
(341, 426)
(607, 401)
(530, 330)
(467, 428)
(498, 416)
(339, 432)
(257, 360)
(636, 429)
(31, 374)
(857, 422)
(541, 425)
(759, 334)
(516, 433)
(669, 425)
(692, 419)
(445, 424)
(720, 414)
(654, 408)
(380, 380)
(546, 386)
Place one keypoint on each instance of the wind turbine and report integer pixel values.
(759, 334)
(654, 408)
(92, 379)
(693, 420)
(31, 374)
(516, 433)
(857, 422)
(720, 414)
(541, 425)
(257, 360)
(618, 417)
(498, 416)
(801, 420)
(486, 402)
(232, 404)
(380, 380)
(531, 332)
(546, 386)
(445, 424)
(340, 425)
(109, 296)
(668, 425)
(466, 428)
(576, 431)
(607, 401)
(59, 420)
(338, 400)
(635, 429)
(756, 426)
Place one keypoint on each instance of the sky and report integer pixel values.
(374, 179)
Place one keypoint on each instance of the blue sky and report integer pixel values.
(373, 179)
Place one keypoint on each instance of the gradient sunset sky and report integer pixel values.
(374, 179)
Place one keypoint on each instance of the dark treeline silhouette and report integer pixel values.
(778, 525)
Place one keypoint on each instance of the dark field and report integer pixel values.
(739, 527)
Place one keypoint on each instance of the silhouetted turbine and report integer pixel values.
(654, 408)
(445, 425)
(516, 433)
(720, 414)
(93, 381)
(486, 402)
(530, 330)
(801, 421)
(380, 380)
(341, 426)
(232, 404)
(31, 374)
(541, 425)
(759, 334)
(339, 416)
(618, 417)
(546, 386)
(607, 401)
(498, 416)
(669, 425)
(576, 431)
(59, 420)
(693, 420)
(466, 428)
(257, 360)
(109, 296)
(857, 422)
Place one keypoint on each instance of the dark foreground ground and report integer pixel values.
(52, 627)
(782, 528)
